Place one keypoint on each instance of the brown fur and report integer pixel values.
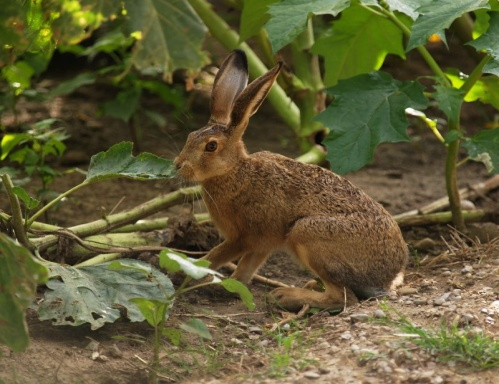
(265, 202)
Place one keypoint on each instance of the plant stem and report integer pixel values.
(309, 98)
(221, 31)
(17, 217)
(474, 76)
(148, 208)
(53, 202)
(99, 259)
(451, 179)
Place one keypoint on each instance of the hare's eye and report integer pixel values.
(211, 146)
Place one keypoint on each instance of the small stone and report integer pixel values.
(286, 327)
(420, 302)
(359, 317)
(446, 273)
(467, 269)
(256, 330)
(379, 314)
(93, 346)
(405, 291)
(115, 352)
(236, 341)
(346, 335)
(263, 343)
(311, 375)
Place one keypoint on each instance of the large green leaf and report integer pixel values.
(118, 161)
(484, 89)
(359, 43)
(449, 100)
(96, 294)
(253, 16)
(408, 7)
(289, 18)
(367, 110)
(484, 147)
(439, 15)
(170, 35)
(489, 42)
(19, 275)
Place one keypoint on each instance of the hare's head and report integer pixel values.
(216, 148)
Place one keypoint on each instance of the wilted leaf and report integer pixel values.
(118, 161)
(289, 18)
(19, 275)
(95, 294)
(196, 327)
(367, 110)
(358, 43)
(484, 147)
(242, 290)
(438, 15)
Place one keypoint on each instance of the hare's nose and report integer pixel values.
(177, 164)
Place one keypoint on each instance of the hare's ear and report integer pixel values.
(252, 97)
(231, 79)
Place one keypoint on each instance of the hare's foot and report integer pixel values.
(293, 299)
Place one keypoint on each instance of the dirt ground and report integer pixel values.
(451, 278)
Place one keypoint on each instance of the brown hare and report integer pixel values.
(263, 202)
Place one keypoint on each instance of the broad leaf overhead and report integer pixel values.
(253, 16)
(367, 110)
(437, 16)
(359, 43)
(118, 161)
(289, 18)
(170, 35)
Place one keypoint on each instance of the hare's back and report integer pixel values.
(309, 185)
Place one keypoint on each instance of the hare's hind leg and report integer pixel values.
(293, 299)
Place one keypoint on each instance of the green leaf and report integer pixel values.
(408, 7)
(118, 161)
(125, 105)
(95, 294)
(30, 202)
(235, 286)
(289, 18)
(9, 142)
(112, 41)
(449, 101)
(174, 335)
(76, 82)
(485, 89)
(367, 110)
(492, 67)
(19, 275)
(489, 41)
(174, 262)
(484, 147)
(154, 311)
(18, 76)
(196, 327)
(169, 35)
(253, 16)
(359, 43)
(437, 16)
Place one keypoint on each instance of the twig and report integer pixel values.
(471, 192)
(17, 217)
(260, 278)
(289, 318)
(437, 218)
